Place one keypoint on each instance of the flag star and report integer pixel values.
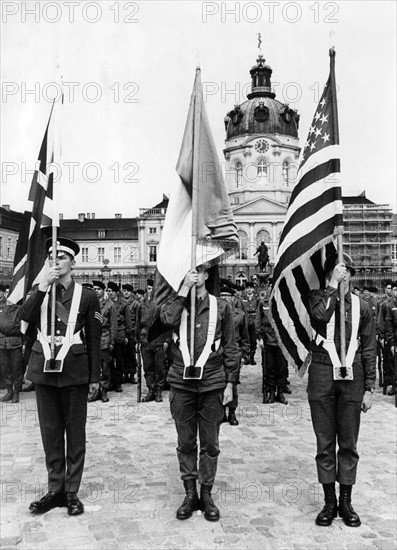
(318, 132)
(316, 116)
(322, 102)
(312, 146)
(325, 137)
(311, 130)
(324, 118)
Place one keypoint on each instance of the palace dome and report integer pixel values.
(261, 113)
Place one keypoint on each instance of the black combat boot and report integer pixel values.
(104, 395)
(211, 512)
(232, 417)
(280, 397)
(392, 390)
(15, 397)
(159, 395)
(151, 396)
(271, 398)
(191, 502)
(346, 511)
(330, 510)
(8, 395)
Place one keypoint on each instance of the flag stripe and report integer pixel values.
(312, 208)
(305, 240)
(312, 176)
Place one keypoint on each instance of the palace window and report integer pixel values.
(84, 254)
(152, 253)
(117, 254)
(101, 253)
(152, 230)
(262, 169)
(239, 174)
(286, 174)
(242, 254)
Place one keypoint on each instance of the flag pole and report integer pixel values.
(56, 160)
(334, 111)
(196, 175)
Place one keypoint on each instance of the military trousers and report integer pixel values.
(336, 411)
(12, 364)
(63, 412)
(252, 339)
(153, 358)
(276, 367)
(105, 368)
(197, 414)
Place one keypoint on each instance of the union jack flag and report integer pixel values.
(30, 252)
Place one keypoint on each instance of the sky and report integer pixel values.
(128, 70)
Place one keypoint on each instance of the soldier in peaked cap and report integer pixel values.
(335, 402)
(62, 385)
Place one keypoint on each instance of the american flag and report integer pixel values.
(313, 220)
(30, 252)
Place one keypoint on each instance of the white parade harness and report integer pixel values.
(183, 346)
(70, 337)
(329, 342)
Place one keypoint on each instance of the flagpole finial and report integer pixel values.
(198, 63)
(332, 51)
(259, 42)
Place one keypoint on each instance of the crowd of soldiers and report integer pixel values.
(124, 340)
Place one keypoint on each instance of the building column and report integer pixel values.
(251, 241)
(274, 241)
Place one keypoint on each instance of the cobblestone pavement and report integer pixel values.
(266, 486)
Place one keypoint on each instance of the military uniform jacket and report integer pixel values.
(132, 305)
(109, 324)
(241, 331)
(391, 324)
(10, 326)
(263, 327)
(141, 329)
(251, 306)
(381, 317)
(222, 363)
(82, 362)
(322, 304)
(123, 320)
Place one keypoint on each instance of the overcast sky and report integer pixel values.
(129, 68)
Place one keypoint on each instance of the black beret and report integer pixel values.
(249, 285)
(2, 288)
(87, 285)
(150, 282)
(140, 291)
(331, 261)
(99, 283)
(128, 287)
(113, 286)
(227, 290)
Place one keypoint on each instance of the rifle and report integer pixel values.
(264, 374)
(138, 373)
(379, 349)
